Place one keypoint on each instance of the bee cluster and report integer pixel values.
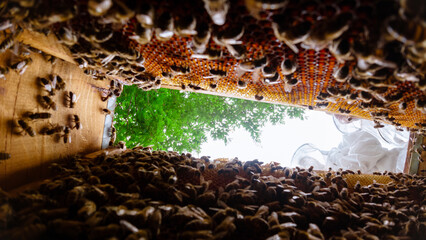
(50, 85)
(115, 89)
(145, 194)
(19, 60)
(356, 57)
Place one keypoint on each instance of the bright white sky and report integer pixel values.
(279, 142)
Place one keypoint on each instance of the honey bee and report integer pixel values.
(288, 66)
(325, 31)
(356, 84)
(241, 84)
(420, 105)
(407, 32)
(165, 25)
(230, 36)
(81, 62)
(118, 90)
(67, 36)
(217, 9)
(48, 85)
(60, 83)
(52, 130)
(185, 26)
(250, 66)
(21, 66)
(291, 35)
(341, 50)
(145, 15)
(75, 194)
(255, 7)
(113, 136)
(7, 43)
(195, 87)
(342, 74)
(3, 72)
(88, 208)
(213, 85)
(70, 99)
(238, 51)
(41, 115)
(67, 135)
(290, 83)
(179, 70)
(272, 80)
(143, 35)
(106, 111)
(48, 58)
(119, 14)
(102, 36)
(216, 73)
(402, 107)
(268, 71)
(211, 54)
(76, 120)
(98, 8)
(105, 97)
(47, 103)
(201, 39)
(323, 105)
(6, 24)
(4, 156)
(225, 228)
(22, 127)
(377, 124)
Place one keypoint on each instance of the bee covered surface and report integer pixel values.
(19, 95)
(162, 195)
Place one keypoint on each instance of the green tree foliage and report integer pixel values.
(182, 121)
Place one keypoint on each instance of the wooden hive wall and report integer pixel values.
(31, 156)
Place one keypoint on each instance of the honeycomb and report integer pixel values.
(385, 60)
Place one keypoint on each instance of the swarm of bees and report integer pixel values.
(278, 51)
(146, 194)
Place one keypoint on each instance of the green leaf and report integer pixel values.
(182, 120)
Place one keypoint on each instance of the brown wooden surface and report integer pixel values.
(422, 166)
(408, 158)
(18, 94)
(49, 44)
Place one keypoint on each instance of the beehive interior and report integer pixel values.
(282, 52)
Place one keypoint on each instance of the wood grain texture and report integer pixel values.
(30, 156)
(48, 44)
(407, 163)
(422, 165)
